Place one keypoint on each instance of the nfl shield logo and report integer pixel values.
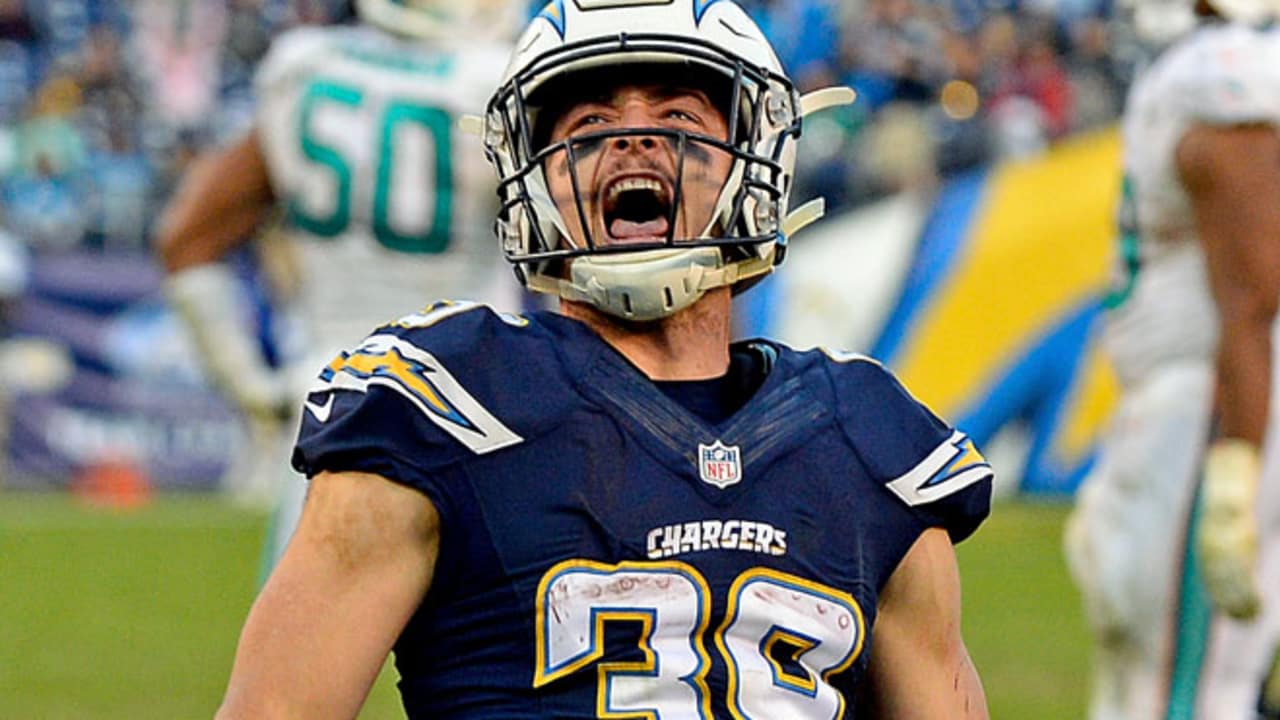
(719, 464)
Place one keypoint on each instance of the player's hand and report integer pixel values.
(1269, 701)
(1228, 531)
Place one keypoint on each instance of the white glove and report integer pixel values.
(1228, 529)
(211, 302)
(1269, 703)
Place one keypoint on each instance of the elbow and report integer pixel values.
(167, 243)
(237, 708)
(177, 247)
(167, 251)
(227, 711)
(1251, 310)
(234, 707)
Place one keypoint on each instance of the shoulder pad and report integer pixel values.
(1226, 75)
(431, 389)
(291, 52)
(928, 465)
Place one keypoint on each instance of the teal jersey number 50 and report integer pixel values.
(393, 116)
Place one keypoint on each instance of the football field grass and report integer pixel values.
(134, 614)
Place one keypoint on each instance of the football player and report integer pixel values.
(356, 144)
(1174, 533)
(612, 510)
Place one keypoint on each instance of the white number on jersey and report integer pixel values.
(782, 638)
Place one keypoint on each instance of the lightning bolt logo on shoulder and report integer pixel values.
(391, 362)
(951, 467)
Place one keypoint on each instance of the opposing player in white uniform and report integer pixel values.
(356, 144)
(1176, 530)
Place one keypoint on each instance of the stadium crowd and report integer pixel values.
(103, 101)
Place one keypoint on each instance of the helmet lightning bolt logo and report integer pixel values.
(553, 13)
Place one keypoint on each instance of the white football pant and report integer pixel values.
(1159, 651)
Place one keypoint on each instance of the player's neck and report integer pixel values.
(693, 344)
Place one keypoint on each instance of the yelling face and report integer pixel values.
(627, 184)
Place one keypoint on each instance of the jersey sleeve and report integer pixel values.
(1228, 75)
(926, 464)
(407, 403)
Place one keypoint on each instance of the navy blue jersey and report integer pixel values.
(604, 552)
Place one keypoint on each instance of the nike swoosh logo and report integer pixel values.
(321, 412)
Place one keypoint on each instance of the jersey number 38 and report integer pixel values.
(781, 639)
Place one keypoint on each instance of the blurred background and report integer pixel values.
(970, 193)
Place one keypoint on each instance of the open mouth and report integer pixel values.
(637, 209)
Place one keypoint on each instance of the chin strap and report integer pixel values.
(650, 284)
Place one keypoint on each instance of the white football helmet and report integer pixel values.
(450, 20)
(709, 44)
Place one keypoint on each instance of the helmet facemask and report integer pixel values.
(669, 195)
(706, 210)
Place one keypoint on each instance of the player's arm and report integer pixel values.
(223, 198)
(920, 668)
(359, 565)
(1232, 175)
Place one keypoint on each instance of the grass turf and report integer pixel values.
(134, 614)
(1023, 621)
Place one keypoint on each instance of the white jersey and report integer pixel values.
(393, 205)
(1221, 74)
